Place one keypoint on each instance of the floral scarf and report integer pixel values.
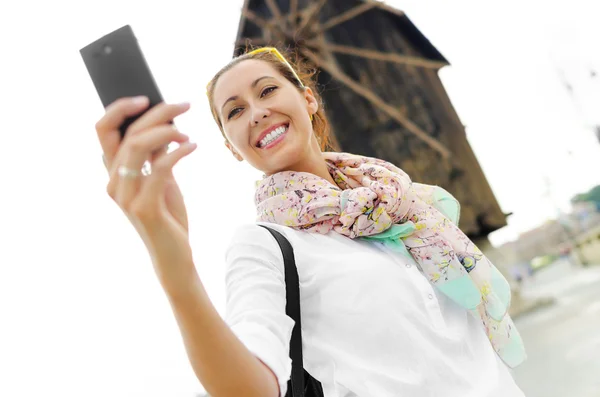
(375, 200)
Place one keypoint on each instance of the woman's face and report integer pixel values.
(265, 118)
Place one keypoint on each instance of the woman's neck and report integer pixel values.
(314, 163)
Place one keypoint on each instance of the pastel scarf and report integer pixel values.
(375, 200)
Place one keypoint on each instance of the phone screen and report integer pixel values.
(118, 69)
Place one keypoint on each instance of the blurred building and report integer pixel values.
(570, 234)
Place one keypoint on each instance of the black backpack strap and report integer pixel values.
(292, 309)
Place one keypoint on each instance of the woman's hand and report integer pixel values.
(153, 203)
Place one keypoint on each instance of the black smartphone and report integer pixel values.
(119, 69)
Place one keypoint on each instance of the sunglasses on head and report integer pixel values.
(277, 54)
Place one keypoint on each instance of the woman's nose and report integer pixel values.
(259, 114)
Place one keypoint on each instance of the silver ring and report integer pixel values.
(127, 172)
(146, 169)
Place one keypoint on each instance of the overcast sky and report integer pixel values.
(81, 310)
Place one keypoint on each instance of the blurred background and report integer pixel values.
(499, 104)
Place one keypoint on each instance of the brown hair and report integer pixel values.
(306, 74)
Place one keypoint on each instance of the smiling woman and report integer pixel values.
(386, 278)
(370, 327)
(270, 113)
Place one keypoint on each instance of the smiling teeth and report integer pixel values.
(271, 136)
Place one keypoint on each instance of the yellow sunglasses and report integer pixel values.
(278, 55)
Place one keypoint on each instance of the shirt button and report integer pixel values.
(430, 296)
(408, 265)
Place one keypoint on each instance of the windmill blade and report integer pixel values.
(293, 15)
(269, 27)
(351, 13)
(257, 20)
(311, 16)
(368, 94)
(379, 56)
(274, 8)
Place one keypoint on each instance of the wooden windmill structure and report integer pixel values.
(381, 91)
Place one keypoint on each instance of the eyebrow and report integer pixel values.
(254, 84)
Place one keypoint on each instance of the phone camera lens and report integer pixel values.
(107, 49)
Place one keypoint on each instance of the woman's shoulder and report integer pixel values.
(253, 242)
(255, 234)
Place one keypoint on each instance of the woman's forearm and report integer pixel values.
(224, 366)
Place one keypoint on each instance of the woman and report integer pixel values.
(379, 318)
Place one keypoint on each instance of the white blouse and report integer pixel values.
(372, 325)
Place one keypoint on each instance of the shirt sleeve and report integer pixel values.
(256, 298)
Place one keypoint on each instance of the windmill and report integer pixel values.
(378, 75)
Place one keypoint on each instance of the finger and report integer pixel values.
(127, 188)
(159, 152)
(137, 149)
(163, 164)
(116, 113)
(154, 185)
(160, 114)
(134, 154)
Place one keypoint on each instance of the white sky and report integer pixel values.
(81, 311)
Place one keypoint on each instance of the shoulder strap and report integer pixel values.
(292, 309)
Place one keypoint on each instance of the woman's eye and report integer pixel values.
(233, 112)
(267, 91)
(263, 93)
